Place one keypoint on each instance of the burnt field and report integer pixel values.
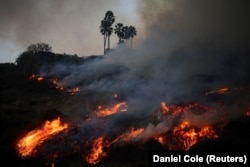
(97, 114)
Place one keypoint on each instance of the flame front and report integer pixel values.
(184, 136)
(97, 152)
(122, 106)
(223, 90)
(132, 134)
(164, 107)
(74, 90)
(34, 77)
(26, 146)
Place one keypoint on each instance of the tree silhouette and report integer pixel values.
(131, 33)
(119, 31)
(110, 18)
(39, 47)
(124, 32)
(106, 27)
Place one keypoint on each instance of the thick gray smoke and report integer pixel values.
(68, 26)
(191, 47)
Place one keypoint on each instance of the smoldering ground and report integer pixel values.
(190, 47)
(187, 52)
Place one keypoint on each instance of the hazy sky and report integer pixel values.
(70, 27)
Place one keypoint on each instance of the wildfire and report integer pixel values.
(219, 91)
(122, 107)
(26, 145)
(160, 139)
(56, 85)
(34, 77)
(248, 114)
(115, 95)
(223, 91)
(97, 152)
(132, 134)
(177, 110)
(128, 136)
(54, 81)
(184, 136)
(164, 107)
(74, 90)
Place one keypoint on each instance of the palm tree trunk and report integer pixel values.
(131, 42)
(108, 42)
(104, 37)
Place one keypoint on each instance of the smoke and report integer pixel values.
(69, 27)
(191, 47)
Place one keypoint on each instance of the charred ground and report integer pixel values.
(26, 104)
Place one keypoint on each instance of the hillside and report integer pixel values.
(27, 103)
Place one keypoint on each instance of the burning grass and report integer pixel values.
(181, 135)
(26, 146)
(176, 132)
(97, 152)
(104, 112)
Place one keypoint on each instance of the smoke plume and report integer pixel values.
(191, 47)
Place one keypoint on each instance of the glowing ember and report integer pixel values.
(54, 81)
(132, 134)
(207, 132)
(34, 77)
(248, 114)
(219, 91)
(115, 95)
(185, 136)
(122, 107)
(128, 136)
(74, 90)
(26, 146)
(164, 107)
(39, 78)
(178, 110)
(97, 152)
(160, 139)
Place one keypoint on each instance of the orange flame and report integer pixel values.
(34, 138)
(115, 95)
(122, 107)
(34, 77)
(74, 90)
(54, 81)
(97, 152)
(128, 136)
(160, 139)
(40, 78)
(132, 134)
(184, 136)
(177, 110)
(164, 107)
(219, 91)
(248, 114)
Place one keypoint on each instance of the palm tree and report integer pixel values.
(125, 33)
(104, 29)
(119, 31)
(110, 18)
(131, 32)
